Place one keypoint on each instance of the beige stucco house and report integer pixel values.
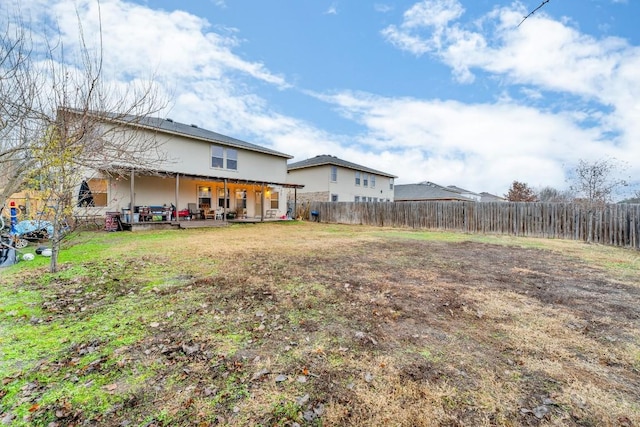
(328, 178)
(200, 171)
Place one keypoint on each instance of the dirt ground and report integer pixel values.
(363, 330)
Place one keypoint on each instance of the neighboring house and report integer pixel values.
(465, 193)
(488, 197)
(202, 169)
(328, 178)
(426, 190)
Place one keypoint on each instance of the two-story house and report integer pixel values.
(200, 170)
(328, 178)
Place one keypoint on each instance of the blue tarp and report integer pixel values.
(29, 226)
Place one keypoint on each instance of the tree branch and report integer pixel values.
(534, 11)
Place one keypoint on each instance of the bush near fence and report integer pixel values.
(615, 224)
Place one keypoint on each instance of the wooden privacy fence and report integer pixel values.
(616, 224)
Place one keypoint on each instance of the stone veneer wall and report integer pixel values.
(306, 198)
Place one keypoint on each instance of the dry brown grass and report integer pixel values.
(382, 327)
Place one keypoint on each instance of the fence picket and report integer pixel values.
(614, 225)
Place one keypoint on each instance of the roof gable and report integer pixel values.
(325, 159)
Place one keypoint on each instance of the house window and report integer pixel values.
(373, 181)
(334, 197)
(98, 188)
(334, 174)
(375, 200)
(221, 197)
(356, 199)
(241, 199)
(221, 156)
(232, 159)
(217, 156)
(275, 200)
(204, 196)
(390, 183)
(357, 179)
(365, 180)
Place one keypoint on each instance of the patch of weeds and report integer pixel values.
(284, 413)
(431, 356)
(19, 304)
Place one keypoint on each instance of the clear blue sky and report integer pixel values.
(450, 91)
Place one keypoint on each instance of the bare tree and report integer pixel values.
(521, 192)
(553, 195)
(595, 183)
(534, 11)
(65, 123)
(19, 84)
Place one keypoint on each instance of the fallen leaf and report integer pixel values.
(34, 407)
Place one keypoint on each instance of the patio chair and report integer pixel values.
(207, 212)
(219, 212)
(193, 210)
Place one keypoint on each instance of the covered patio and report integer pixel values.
(151, 198)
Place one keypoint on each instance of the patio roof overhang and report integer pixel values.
(126, 171)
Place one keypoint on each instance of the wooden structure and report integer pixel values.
(615, 224)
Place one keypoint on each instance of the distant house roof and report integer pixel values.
(170, 126)
(461, 190)
(326, 159)
(488, 197)
(427, 191)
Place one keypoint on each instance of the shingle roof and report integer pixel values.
(460, 190)
(488, 197)
(176, 128)
(426, 191)
(325, 159)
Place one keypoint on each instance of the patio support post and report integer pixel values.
(226, 201)
(177, 196)
(262, 204)
(132, 196)
(295, 203)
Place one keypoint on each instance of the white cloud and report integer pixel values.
(382, 7)
(332, 10)
(544, 55)
(432, 13)
(481, 146)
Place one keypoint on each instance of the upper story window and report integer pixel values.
(224, 158)
(217, 156)
(334, 174)
(390, 183)
(232, 159)
(373, 181)
(365, 179)
(357, 178)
